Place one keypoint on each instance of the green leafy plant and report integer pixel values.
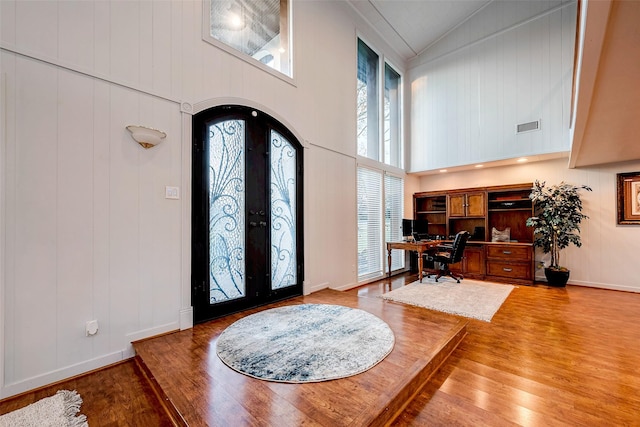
(559, 214)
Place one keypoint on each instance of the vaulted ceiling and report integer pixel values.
(608, 97)
(412, 26)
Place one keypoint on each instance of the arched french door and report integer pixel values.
(246, 213)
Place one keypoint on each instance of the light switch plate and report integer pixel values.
(172, 193)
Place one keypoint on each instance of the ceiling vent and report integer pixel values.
(528, 127)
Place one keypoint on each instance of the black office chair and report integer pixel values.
(449, 254)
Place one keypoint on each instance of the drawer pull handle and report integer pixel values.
(506, 252)
(507, 269)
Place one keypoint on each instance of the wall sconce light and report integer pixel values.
(145, 136)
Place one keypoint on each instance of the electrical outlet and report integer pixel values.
(91, 328)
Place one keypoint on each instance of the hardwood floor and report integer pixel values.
(549, 357)
(423, 339)
(115, 396)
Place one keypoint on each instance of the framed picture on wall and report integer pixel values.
(629, 198)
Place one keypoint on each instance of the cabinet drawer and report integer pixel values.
(506, 252)
(505, 269)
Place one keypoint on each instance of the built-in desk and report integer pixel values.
(420, 247)
(496, 261)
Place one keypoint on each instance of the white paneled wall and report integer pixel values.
(467, 100)
(604, 259)
(331, 219)
(87, 231)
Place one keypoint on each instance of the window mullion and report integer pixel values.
(381, 77)
(383, 217)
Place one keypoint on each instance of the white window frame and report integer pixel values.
(397, 256)
(377, 234)
(400, 120)
(382, 63)
(383, 170)
(379, 164)
(374, 141)
(207, 37)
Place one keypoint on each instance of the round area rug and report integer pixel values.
(305, 343)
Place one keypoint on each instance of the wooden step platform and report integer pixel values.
(199, 390)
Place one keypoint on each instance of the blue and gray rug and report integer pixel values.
(305, 343)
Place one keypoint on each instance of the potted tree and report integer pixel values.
(557, 224)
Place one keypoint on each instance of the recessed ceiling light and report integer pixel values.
(522, 159)
(479, 166)
(443, 170)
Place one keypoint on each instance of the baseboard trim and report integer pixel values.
(347, 286)
(309, 289)
(65, 373)
(186, 318)
(606, 286)
(62, 374)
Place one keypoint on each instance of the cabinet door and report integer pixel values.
(467, 204)
(474, 261)
(475, 204)
(472, 264)
(457, 204)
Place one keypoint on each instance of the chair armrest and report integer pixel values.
(445, 247)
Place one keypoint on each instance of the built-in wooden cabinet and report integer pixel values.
(433, 208)
(466, 211)
(510, 206)
(478, 211)
(473, 262)
(468, 204)
(511, 262)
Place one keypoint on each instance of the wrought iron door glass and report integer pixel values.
(283, 212)
(226, 211)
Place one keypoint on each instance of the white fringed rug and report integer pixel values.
(305, 343)
(469, 298)
(59, 410)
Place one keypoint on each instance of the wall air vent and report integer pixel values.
(528, 127)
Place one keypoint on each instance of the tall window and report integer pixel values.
(393, 214)
(392, 129)
(367, 102)
(259, 30)
(369, 223)
(385, 147)
(379, 140)
(380, 213)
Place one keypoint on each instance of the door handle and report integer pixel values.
(508, 270)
